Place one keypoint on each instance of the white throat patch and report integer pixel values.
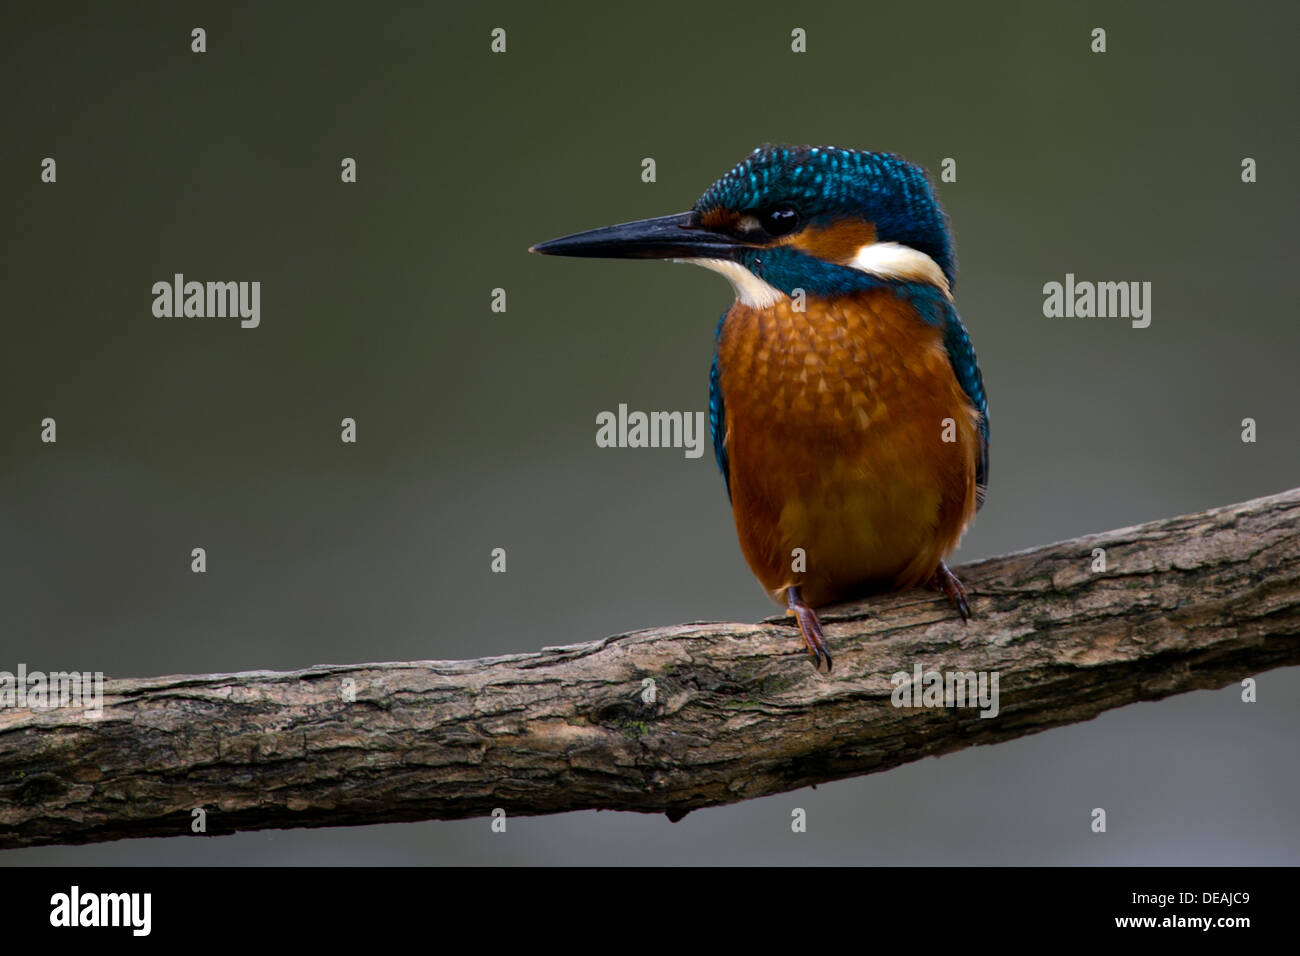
(892, 260)
(750, 289)
(888, 260)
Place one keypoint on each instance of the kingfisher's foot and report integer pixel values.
(945, 581)
(811, 629)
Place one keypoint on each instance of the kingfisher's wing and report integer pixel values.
(961, 354)
(718, 414)
(936, 308)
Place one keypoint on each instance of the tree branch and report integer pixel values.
(1198, 601)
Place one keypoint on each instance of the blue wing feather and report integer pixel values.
(936, 308)
(962, 356)
(718, 413)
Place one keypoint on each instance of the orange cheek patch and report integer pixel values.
(718, 218)
(839, 242)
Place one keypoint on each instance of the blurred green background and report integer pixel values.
(476, 430)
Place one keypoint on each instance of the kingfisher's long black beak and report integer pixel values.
(667, 237)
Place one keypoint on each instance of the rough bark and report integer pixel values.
(1198, 601)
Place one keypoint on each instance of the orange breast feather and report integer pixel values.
(836, 420)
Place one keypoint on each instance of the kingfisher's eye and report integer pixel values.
(780, 219)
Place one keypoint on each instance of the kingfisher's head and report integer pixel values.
(826, 220)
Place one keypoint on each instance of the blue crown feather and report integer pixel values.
(828, 183)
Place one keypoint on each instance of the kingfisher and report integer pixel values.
(848, 411)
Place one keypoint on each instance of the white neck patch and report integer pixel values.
(750, 289)
(892, 260)
(887, 260)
